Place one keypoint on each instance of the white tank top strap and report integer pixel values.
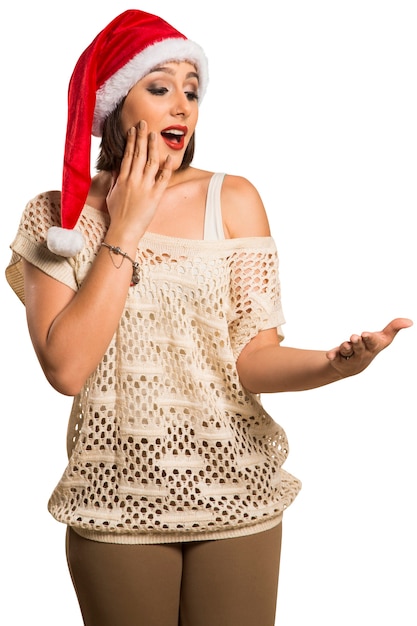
(213, 223)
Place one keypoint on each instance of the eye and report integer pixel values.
(157, 91)
(191, 95)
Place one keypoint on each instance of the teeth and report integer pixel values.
(173, 131)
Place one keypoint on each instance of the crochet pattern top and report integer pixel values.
(164, 443)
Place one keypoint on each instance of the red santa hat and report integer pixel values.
(122, 53)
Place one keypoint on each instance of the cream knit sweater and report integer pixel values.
(164, 443)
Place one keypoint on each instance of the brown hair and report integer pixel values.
(113, 142)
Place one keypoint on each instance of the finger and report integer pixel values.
(396, 325)
(346, 349)
(128, 154)
(152, 161)
(390, 330)
(165, 172)
(112, 184)
(339, 354)
(140, 153)
(332, 354)
(358, 345)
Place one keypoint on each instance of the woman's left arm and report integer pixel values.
(264, 366)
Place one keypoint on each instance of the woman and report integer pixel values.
(153, 298)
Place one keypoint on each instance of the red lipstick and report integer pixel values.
(174, 136)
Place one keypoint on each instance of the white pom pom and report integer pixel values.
(64, 241)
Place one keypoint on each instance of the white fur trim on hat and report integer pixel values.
(119, 85)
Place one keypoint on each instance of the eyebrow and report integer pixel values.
(169, 70)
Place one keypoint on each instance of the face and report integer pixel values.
(167, 99)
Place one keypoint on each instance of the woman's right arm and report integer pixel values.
(71, 331)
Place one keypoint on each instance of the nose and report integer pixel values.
(181, 105)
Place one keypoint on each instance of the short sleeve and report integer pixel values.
(39, 215)
(255, 293)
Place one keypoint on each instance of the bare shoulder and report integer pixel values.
(243, 211)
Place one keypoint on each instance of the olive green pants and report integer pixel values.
(227, 582)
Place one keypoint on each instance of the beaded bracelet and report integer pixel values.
(117, 251)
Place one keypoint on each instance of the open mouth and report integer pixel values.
(174, 137)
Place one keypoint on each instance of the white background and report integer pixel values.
(315, 102)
